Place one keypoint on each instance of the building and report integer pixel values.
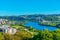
(7, 29)
(10, 30)
(3, 21)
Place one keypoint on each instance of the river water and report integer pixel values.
(39, 27)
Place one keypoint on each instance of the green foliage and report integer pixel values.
(24, 35)
(1, 36)
(56, 34)
(8, 37)
(46, 35)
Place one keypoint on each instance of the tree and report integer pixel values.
(46, 35)
(24, 35)
(8, 37)
(56, 35)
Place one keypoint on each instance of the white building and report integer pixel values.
(7, 29)
(3, 21)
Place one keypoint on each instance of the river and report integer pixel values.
(39, 27)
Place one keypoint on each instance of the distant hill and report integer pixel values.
(35, 17)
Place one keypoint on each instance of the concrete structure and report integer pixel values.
(7, 29)
(10, 30)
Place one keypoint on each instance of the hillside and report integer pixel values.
(51, 20)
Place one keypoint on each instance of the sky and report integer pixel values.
(26, 7)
